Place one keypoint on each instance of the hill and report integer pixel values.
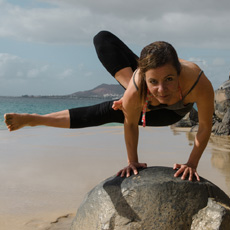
(101, 91)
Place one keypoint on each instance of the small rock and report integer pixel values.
(214, 216)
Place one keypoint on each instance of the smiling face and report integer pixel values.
(162, 83)
(159, 70)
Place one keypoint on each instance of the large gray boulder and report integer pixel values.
(153, 199)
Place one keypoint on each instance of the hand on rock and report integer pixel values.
(131, 167)
(185, 170)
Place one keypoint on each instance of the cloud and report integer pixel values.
(14, 67)
(65, 74)
(182, 22)
(54, 36)
(45, 25)
(6, 63)
(19, 76)
(200, 62)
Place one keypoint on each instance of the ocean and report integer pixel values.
(41, 105)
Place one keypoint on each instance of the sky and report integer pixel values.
(46, 46)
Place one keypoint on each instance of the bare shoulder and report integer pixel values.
(189, 70)
(189, 74)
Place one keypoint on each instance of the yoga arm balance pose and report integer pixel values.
(203, 96)
(171, 85)
(161, 91)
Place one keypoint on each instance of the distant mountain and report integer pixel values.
(101, 91)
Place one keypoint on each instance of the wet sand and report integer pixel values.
(46, 172)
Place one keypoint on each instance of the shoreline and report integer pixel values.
(46, 172)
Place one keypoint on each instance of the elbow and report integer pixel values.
(130, 124)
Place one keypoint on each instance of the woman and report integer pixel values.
(160, 90)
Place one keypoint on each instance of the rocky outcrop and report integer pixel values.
(189, 120)
(153, 199)
(222, 110)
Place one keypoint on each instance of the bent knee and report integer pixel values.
(101, 37)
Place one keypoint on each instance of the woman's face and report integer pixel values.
(162, 83)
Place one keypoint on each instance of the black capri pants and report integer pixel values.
(113, 53)
(114, 56)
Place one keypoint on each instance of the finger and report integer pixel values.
(118, 173)
(197, 176)
(117, 102)
(143, 165)
(176, 166)
(179, 171)
(123, 173)
(186, 171)
(114, 107)
(135, 171)
(128, 172)
(190, 174)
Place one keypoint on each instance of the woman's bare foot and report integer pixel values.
(15, 121)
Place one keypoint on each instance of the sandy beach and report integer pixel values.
(46, 172)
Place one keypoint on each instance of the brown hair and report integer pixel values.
(153, 56)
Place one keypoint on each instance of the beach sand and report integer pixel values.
(46, 172)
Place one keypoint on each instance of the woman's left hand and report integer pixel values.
(185, 170)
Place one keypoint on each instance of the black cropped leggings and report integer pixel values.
(114, 56)
(113, 53)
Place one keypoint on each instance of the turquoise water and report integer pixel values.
(40, 105)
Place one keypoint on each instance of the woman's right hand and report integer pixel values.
(132, 167)
(117, 105)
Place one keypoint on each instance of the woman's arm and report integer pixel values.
(131, 107)
(205, 104)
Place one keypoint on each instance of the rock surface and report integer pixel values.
(189, 120)
(153, 199)
(222, 110)
(213, 216)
